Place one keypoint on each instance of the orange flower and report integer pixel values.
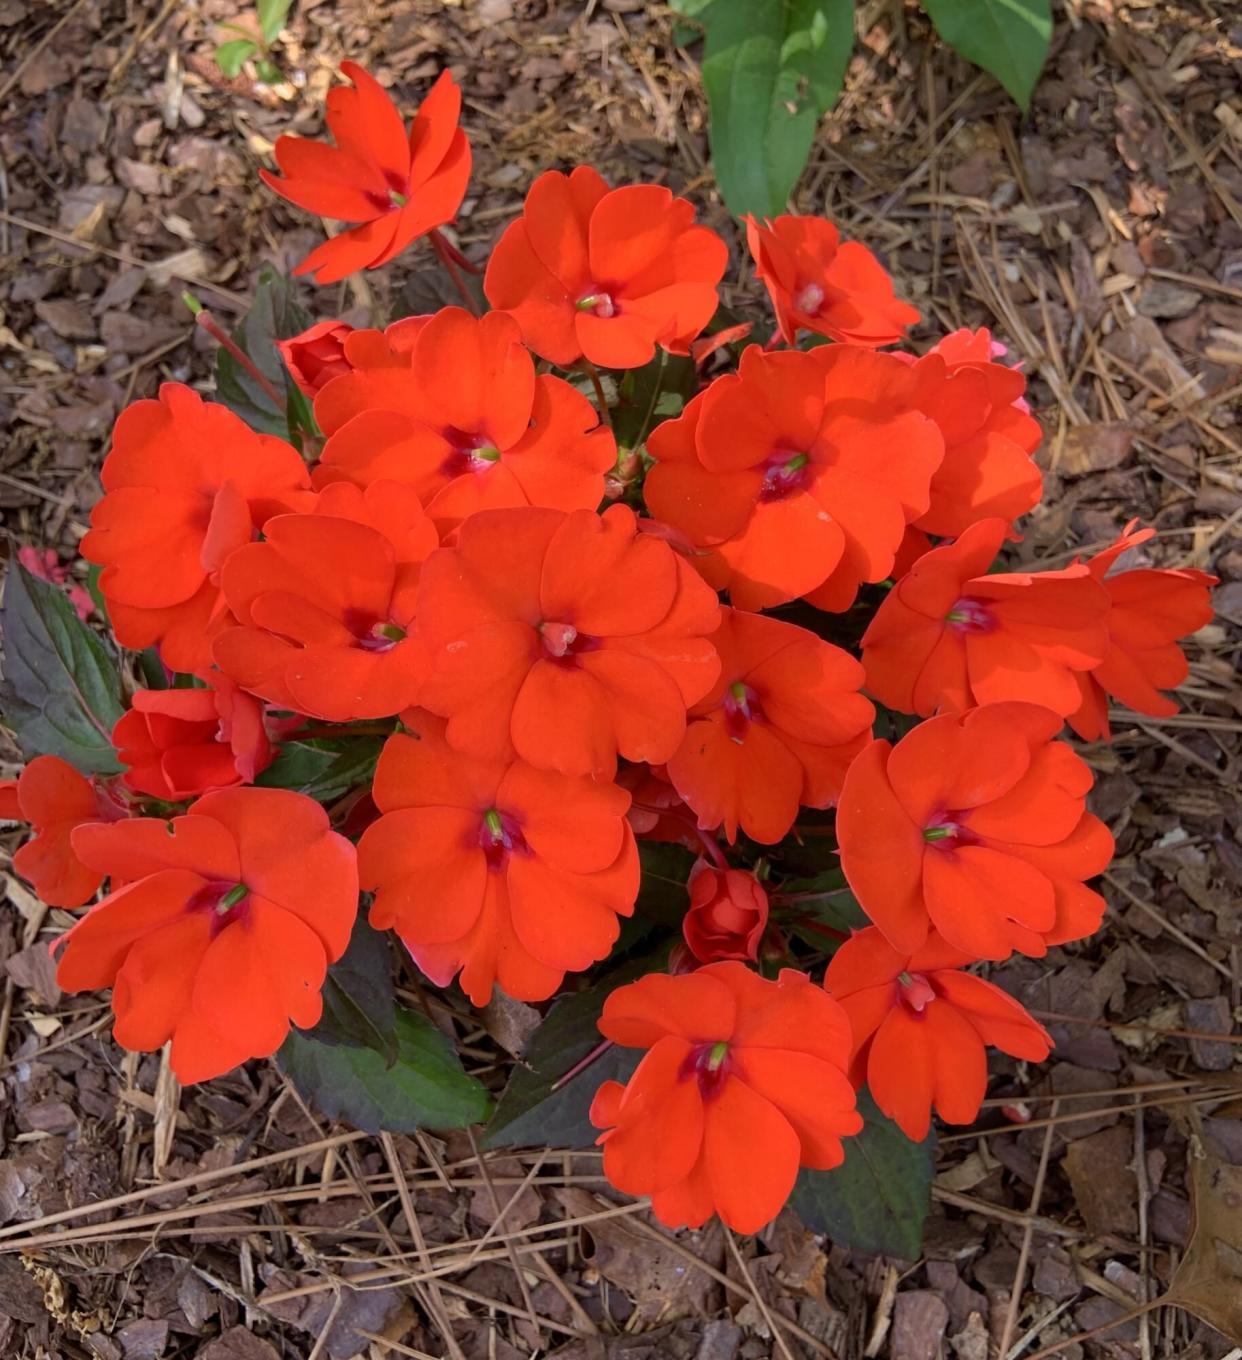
(511, 876)
(185, 484)
(565, 639)
(325, 605)
(179, 743)
(778, 730)
(317, 355)
(605, 274)
(467, 423)
(399, 186)
(799, 474)
(922, 1027)
(742, 1084)
(54, 798)
(818, 284)
(975, 825)
(223, 930)
(728, 914)
(989, 434)
(951, 635)
(1149, 610)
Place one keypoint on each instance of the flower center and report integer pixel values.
(809, 300)
(710, 1064)
(468, 453)
(500, 836)
(372, 634)
(970, 616)
(563, 643)
(741, 708)
(783, 474)
(226, 901)
(947, 830)
(916, 992)
(599, 302)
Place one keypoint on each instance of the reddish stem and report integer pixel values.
(446, 252)
(709, 843)
(583, 1063)
(458, 257)
(207, 322)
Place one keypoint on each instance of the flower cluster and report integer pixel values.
(473, 559)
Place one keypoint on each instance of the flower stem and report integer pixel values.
(597, 382)
(582, 1064)
(450, 258)
(458, 258)
(205, 321)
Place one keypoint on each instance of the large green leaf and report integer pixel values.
(1008, 38)
(425, 1088)
(323, 772)
(530, 1113)
(359, 1007)
(770, 69)
(61, 691)
(274, 315)
(878, 1198)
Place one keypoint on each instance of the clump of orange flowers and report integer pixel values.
(487, 635)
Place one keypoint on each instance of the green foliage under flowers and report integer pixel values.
(878, 1198)
(772, 68)
(61, 690)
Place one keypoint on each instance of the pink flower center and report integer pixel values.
(372, 634)
(741, 708)
(947, 831)
(599, 302)
(395, 197)
(227, 901)
(970, 616)
(710, 1063)
(468, 453)
(783, 474)
(500, 835)
(915, 991)
(563, 643)
(809, 300)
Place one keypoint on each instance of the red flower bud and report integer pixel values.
(179, 743)
(728, 914)
(316, 356)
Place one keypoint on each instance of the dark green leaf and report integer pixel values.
(657, 391)
(323, 772)
(274, 315)
(770, 70)
(878, 1198)
(61, 692)
(425, 1088)
(93, 573)
(234, 54)
(359, 1007)
(272, 15)
(662, 894)
(826, 901)
(428, 290)
(530, 1113)
(1008, 38)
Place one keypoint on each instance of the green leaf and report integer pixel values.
(826, 900)
(770, 70)
(274, 315)
(662, 892)
(323, 772)
(878, 1198)
(530, 1113)
(234, 54)
(359, 1007)
(1008, 38)
(657, 391)
(267, 71)
(61, 691)
(272, 15)
(425, 1088)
